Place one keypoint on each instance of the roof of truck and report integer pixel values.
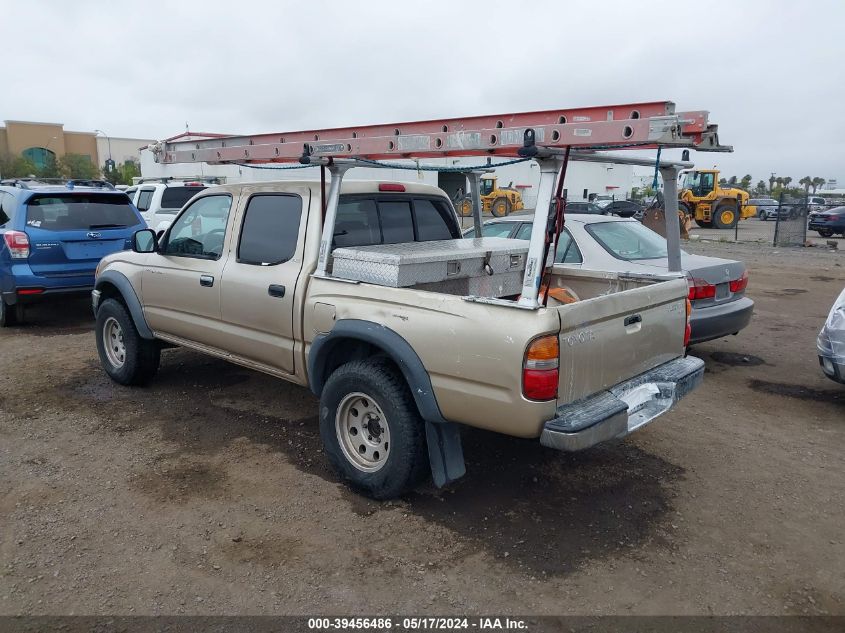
(348, 187)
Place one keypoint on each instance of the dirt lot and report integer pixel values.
(208, 493)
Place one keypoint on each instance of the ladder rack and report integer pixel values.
(543, 136)
(639, 125)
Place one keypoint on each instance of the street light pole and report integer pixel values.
(110, 162)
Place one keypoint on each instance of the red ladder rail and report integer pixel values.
(639, 125)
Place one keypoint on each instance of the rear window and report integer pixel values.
(628, 240)
(176, 197)
(68, 212)
(366, 221)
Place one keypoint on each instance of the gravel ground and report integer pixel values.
(207, 492)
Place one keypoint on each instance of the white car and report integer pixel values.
(831, 342)
(159, 202)
(610, 243)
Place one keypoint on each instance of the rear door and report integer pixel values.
(70, 233)
(259, 281)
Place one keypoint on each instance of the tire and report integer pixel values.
(127, 358)
(764, 217)
(703, 224)
(826, 232)
(726, 216)
(399, 430)
(465, 208)
(500, 207)
(10, 315)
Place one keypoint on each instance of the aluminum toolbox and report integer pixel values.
(414, 263)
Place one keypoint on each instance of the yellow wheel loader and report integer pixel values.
(710, 205)
(498, 201)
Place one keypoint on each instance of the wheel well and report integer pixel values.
(109, 291)
(349, 349)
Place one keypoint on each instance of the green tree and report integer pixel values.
(786, 182)
(817, 182)
(78, 166)
(772, 181)
(16, 167)
(745, 183)
(732, 181)
(760, 189)
(722, 182)
(806, 182)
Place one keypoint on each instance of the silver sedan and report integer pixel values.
(831, 342)
(600, 242)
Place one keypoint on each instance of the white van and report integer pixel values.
(159, 202)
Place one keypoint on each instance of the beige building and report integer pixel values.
(39, 141)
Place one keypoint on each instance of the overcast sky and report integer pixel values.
(771, 73)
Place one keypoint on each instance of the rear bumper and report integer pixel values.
(717, 321)
(623, 408)
(831, 226)
(21, 279)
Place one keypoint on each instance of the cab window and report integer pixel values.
(270, 230)
(200, 230)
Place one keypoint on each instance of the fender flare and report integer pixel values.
(127, 292)
(445, 452)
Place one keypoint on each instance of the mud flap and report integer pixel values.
(445, 452)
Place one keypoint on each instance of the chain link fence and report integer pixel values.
(791, 222)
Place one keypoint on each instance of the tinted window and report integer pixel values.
(144, 199)
(7, 202)
(270, 229)
(433, 221)
(396, 224)
(356, 223)
(67, 212)
(200, 230)
(628, 240)
(176, 197)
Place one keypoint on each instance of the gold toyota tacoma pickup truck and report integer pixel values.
(411, 332)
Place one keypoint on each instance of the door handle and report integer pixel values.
(276, 290)
(635, 318)
(206, 280)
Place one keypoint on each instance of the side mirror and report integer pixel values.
(144, 241)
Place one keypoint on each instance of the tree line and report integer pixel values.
(67, 166)
(777, 185)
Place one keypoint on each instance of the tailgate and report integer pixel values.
(610, 338)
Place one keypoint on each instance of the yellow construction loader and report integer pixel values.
(498, 201)
(711, 206)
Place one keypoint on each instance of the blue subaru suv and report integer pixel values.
(53, 236)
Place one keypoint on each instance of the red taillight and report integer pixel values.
(739, 285)
(194, 184)
(30, 291)
(540, 371)
(688, 326)
(390, 186)
(18, 244)
(700, 289)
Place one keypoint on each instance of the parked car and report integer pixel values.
(54, 237)
(716, 286)
(829, 222)
(408, 331)
(584, 207)
(625, 208)
(159, 202)
(831, 341)
(767, 208)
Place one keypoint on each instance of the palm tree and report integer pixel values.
(786, 182)
(772, 180)
(817, 182)
(807, 182)
(779, 181)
